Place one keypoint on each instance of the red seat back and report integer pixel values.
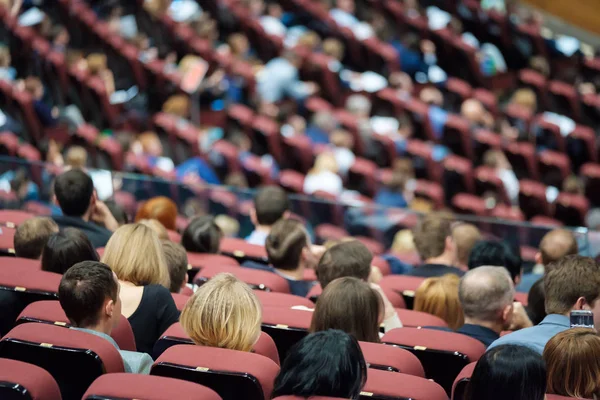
(19, 380)
(12, 218)
(242, 250)
(261, 280)
(274, 299)
(386, 358)
(18, 262)
(403, 285)
(180, 300)
(393, 296)
(384, 385)
(418, 319)
(197, 261)
(459, 388)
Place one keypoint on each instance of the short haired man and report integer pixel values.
(488, 252)
(75, 194)
(434, 242)
(89, 296)
(571, 283)
(270, 205)
(32, 235)
(465, 236)
(177, 262)
(346, 259)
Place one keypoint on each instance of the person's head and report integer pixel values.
(465, 236)
(328, 363)
(525, 99)
(177, 262)
(540, 64)
(573, 362)
(439, 296)
(288, 245)
(31, 237)
(74, 191)
(572, 184)
(499, 254)
(351, 305)
(97, 63)
(474, 112)
(5, 58)
(333, 48)
(342, 139)
(150, 143)
(359, 105)
(508, 372)
(345, 5)
(135, 253)
(310, 40)
(324, 120)
(555, 245)
(202, 235)
(76, 157)
(65, 249)
(403, 242)
(178, 105)
(495, 159)
(346, 259)
(60, 36)
(325, 162)
(433, 238)
(271, 204)
(536, 298)
(89, 295)
(573, 283)
(228, 225)
(34, 86)
(238, 44)
(157, 227)
(486, 296)
(225, 313)
(432, 96)
(161, 209)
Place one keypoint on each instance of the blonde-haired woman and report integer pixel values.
(439, 296)
(324, 176)
(135, 254)
(224, 313)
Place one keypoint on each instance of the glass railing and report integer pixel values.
(322, 216)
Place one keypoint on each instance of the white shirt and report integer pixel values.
(325, 181)
(273, 26)
(511, 184)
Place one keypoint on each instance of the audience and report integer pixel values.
(324, 177)
(328, 363)
(144, 278)
(270, 205)
(65, 249)
(573, 361)
(31, 237)
(202, 235)
(156, 227)
(465, 236)
(345, 259)
(177, 262)
(439, 296)
(571, 283)
(536, 307)
(75, 194)
(225, 313)
(89, 295)
(162, 209)
(508, 372)
(497, 254)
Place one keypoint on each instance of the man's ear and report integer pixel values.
(518, 278)
(507, 313)
(185, 281)
(253, 216)
(581, 304)
(109, 308)
(286, 214)
(538, 258)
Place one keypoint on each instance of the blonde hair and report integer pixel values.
(224, 313)
(230, 226)
(96, 63)
(135, 254)
(525, 98)
(333, 48)
(77, 157)
(178, 105)
(403, 242)
(439, 297)
(325, 162)
(157, 227)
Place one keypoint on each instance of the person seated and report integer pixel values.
(324, 177)
(202, 235)
(271, 204)
(157, 227)
(536, 307)
(436, 246)
(508, 372)
(355, 307)
(98, 67)
(280, 78)
(7, 72)
(321, 126)
(573, 361)
(161, 209)
(31, 237)
(497, 160)
(224, 313)
(76, 157)
(135, 254)
(228, 225)
(89, 295)
(465, 236)
(391, 194)
(328, 363)
(343, 15)
(177, 262)
(571, 283)
(488, 252)
(65, 249)
(75, 194)
(439, 296)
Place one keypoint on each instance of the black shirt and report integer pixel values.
(481, 333)
(98, 235)
(432, 270)
(156, 312)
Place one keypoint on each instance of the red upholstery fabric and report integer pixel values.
(460, 383)
(134, 386)
(287, 316)
(180, 300)
(7, 240)
(406, 285)
(571, 209)
(557, 397)
(12, 218)
(241, 248)
(532, 198)
(404, 386)
(380, 355)
(382, 264)
(39, 384)
(263, 280)
(17, 262)
(273, 299)
(416, 319)
(215, 359)
(29, 279)
(465, 203)
(200, 261)
(304, 398)
(174, 237)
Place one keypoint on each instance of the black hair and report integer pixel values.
(536, 302)
(328, 363)
(65, 249)
(83, 290)
(508, 372)
(495, 254)
(270, 203)
(74, 190)
(202, 235)
(117, 211)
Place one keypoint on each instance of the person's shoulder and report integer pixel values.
(155, 289)
(136, 362)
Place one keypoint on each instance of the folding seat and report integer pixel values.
(422, 154)
(292, 181)
(523, 158)
(532, 198)
(571, 209)
(304, 398)
(457, 136)
(418, 319)
(548, 136)
(443, 354)
(395, 297)
(9, 143)
(488, 99)
(7, 239)
(180, 300)
(543, 220)
(530, 35)
(326, 232)
(232, 374)
(274, 299)
(504, 212)
(266, 138)
(316, 69)
(315, 104)
(484, 140)
(487, 180)
(403, 285)
(286, 326)
(17, 262)
(19, 380)
(197, 261)
(386, 102)
(464, 203)
(581, 146)
(257, 174)
(385, 385)
(590, 109)
(382, 264)
(134, 386)
(350, 122)
(373, 245)
(537, 82)
(361, 177)
(518, 117)
(174, 236)
(419, 115)
(456, 91)
(591, 173)
(459, 388)
(261, 280)
(458, 177)
(242, 250)
(564, 99)
(230, 154)
(297, 153)
(381, 56)
(12, 218)
(239, 117)
(554, 167)
(431, 191)
(380, 356)
(75, 359)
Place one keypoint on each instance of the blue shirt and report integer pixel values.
(297, 287)
(481, 333)
(390, 198)
(527, 282)
(537, 336)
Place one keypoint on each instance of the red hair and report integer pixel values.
(161, 209)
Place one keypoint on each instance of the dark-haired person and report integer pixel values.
(75, 194)
(31, 237)
(489, 252)
(202, 235)
(271, 204)
(65, 249)
(177, 262)
(536, 299)
(508, 372)
(328, 363)
(89, 296)
(572, 283)
(465, 236)
(346, 259)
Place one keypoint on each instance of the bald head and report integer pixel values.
(556, 244)
(472, 110)
(485, 292)
(465, 236)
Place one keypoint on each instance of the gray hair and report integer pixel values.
(358, 104)
(485, 291)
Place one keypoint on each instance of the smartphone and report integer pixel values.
(582, 319)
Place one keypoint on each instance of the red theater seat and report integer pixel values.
(403, 285)
(571, 209)
(12, 218)
(19, 380)
(459, 388)
(286, 326)
(180, 300)
(393, 296)
(240, 249)
(261, 280)
(418, 319)
(304, 398)
(7, 240)
(17, 262)
(380, 356)
(274, 299)
(384, 385)
(197, 261)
